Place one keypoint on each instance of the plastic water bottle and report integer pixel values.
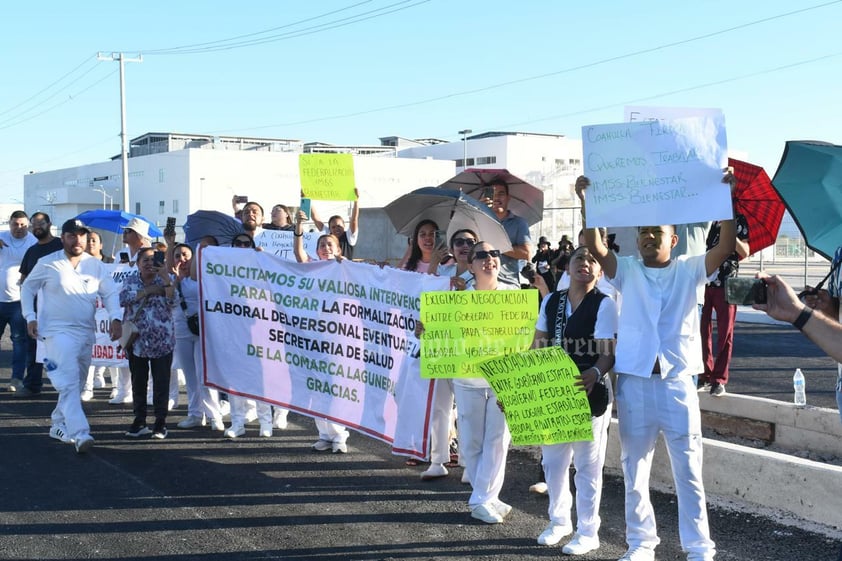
(800, 398)
(49, 365)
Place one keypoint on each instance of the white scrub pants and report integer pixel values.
(646, 407)
(589, 459)
(202, 401)
(71, 353)
(483, 441)
(441, 422)
(332, 432)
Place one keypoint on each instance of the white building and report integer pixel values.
(175, 174)
(547, 161)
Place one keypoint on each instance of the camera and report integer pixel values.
(528, 273)
(745, 292)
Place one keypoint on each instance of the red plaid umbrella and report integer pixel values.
(757, 200)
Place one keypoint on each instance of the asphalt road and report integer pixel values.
(196, 496)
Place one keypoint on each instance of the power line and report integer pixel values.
(342, 22)
(172, 50)
(36, 94)
(8, 124)
(539, 76)
(673, 92)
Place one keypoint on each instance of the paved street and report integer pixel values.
(196, 496)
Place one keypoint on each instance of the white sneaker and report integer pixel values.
(172, 404)
(59, 432)
(487, 513)
(502, 508)
(224, 407)
(553, 533)
(638, 554)
(279, 418)
(217, 424)
(84, 444)
(235, 431)
(435, 471)
(322, 445)
(120, 399)
(580, 545)
(191, 422)
(540, 488)
(265, 430)
(114, 393)
(338, 447)
(87, 395)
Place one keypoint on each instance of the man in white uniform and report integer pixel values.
(658, 352)
(70, 281)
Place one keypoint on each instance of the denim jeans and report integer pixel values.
(11, 315)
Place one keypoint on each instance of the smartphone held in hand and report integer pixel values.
(745, 292)
(305, 207)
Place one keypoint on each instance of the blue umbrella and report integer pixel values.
(203, 223)
(114, 220)
(809, 180)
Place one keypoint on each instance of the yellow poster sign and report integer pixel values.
(541, 403)
(462, 328)
(327, 177)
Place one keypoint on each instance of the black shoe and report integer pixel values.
(138, 429)
(717, 390)
(26, 392)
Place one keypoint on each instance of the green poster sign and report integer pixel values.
(541, 402)
(462, 328)
(327, 177)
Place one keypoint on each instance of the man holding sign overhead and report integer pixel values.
(658, 352)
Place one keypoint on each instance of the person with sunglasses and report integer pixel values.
(484, 437)
(442, 425)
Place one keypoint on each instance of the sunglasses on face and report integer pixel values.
(459, 242)
(240, 243)
(482, 254)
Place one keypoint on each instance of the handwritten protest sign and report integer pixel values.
(656, 172)
(280, 243)
(327, 177)
(463, 328)
(541, 403)
(327, 339)
(106, 352)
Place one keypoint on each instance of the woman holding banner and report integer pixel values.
(332, 436)
(483, 434)
(442, 420)
(583, 321)
(202, 401)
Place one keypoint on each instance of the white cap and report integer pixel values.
(140, 227)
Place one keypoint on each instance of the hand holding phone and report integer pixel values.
(158, 258)
(745, 292)
(241, 199)
(169, 229)
(305, 206)
(124, 257)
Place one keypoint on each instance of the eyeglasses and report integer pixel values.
(482, 254)
(459, 242)
(240, 243)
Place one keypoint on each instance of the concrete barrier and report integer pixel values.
(782, 483)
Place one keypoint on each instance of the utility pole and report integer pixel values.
(124, 141)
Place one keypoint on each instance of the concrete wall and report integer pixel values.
(782, 483)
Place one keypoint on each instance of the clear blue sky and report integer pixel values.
(427, 69)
